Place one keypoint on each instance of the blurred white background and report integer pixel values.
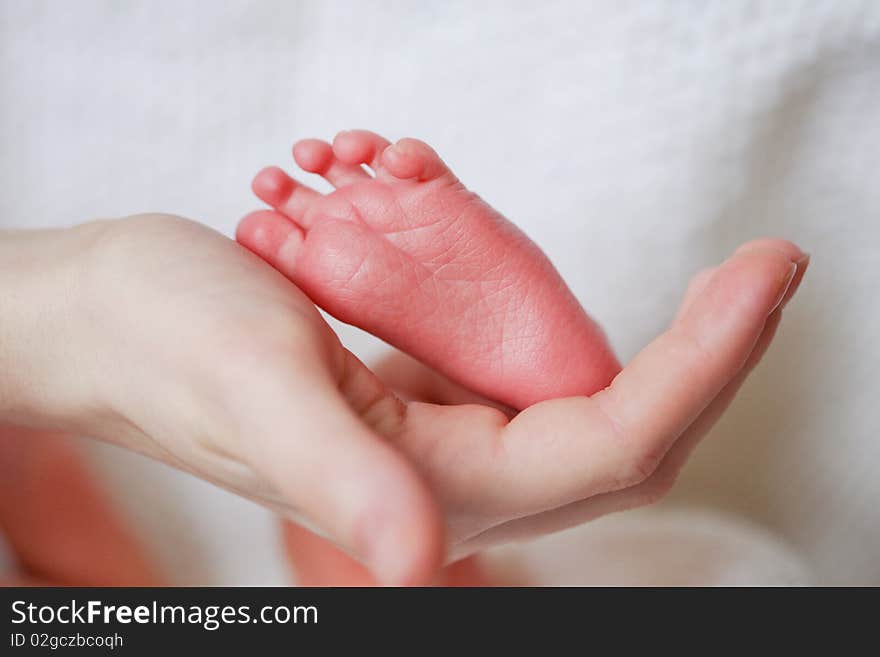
(636, 142)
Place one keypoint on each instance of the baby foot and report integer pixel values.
(412, 256)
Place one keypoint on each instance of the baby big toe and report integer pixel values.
(273, 237)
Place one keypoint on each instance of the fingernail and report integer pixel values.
(784, 285)
(802, 263)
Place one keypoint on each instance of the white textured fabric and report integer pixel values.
(675, 547)
(635, 141)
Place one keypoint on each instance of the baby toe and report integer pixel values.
(273, 237)
(316, 156)
(412, 158)
(360, 147)
(290, 197)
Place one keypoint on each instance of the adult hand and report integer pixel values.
(662, 404)
(163, 336)
(646, 424)
(180, 344)
(563, 462)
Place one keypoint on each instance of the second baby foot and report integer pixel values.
(409, 254)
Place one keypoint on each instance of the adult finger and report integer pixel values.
(320, 440)
(664, 476)
(646, 492)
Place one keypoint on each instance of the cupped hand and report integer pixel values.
(565, 462)
(162, 335)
